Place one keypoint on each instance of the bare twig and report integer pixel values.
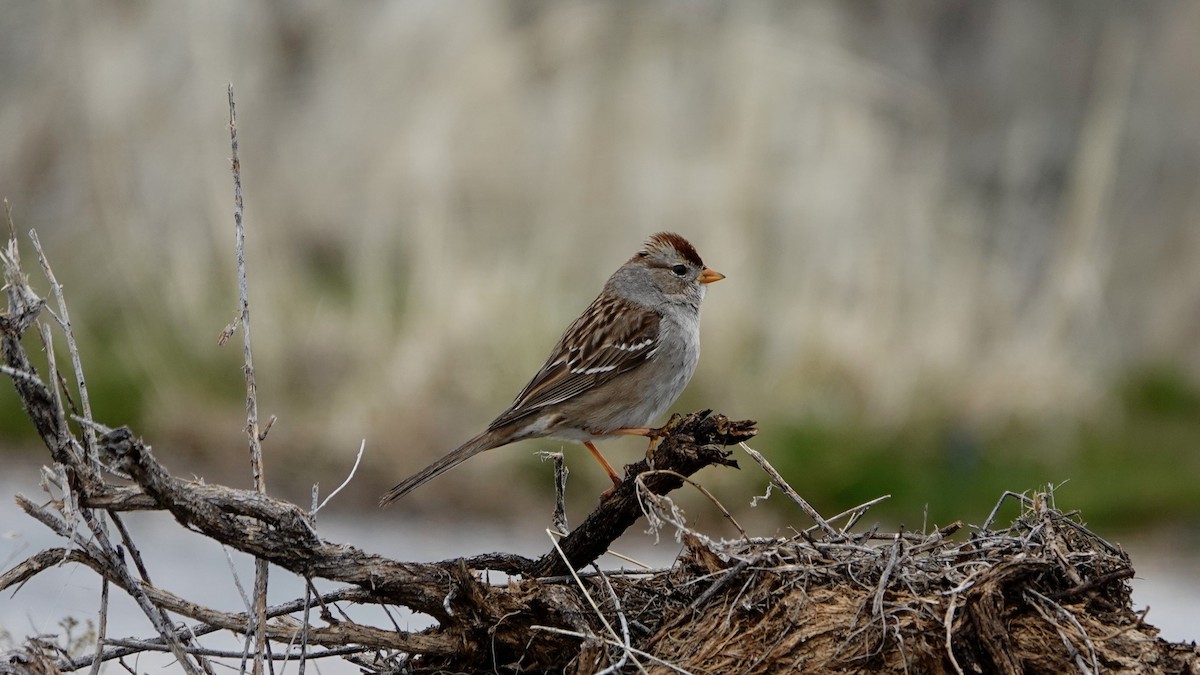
(64, 319)
(262, 435)
(625, 642)
(877, 603)
(308, 585)
(237, 581)
(111, 567)
(252, 430)
(1092, 666)
(559, 517)
(60, 414)
(614, 643)
(790, 492)
(144, 574)
(131, 547)
(588, 596)
(719, 584)
(101, 627)
(854, 514)
(987, 523)
(146, 645)
(361, 447)
(704, 491)
(22, 375)
(690, 443)
(948, 624)
(1044, 509)
(204, 629)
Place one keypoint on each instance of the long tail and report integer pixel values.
(485, 441)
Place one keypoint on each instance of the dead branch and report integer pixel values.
(693, 442)
(257, 468)
(476, 620)
(1044, 594)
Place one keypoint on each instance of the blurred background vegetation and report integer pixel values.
(962, 240)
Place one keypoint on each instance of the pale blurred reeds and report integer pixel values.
(976, 213)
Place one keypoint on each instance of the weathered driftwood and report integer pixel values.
(691, 443)
(477, 623)
(1043, 594)
(472, 616)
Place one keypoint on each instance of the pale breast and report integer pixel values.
(666, 375)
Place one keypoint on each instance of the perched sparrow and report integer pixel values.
(616, 369)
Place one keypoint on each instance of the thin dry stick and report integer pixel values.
(102, 628)
(237, 582)
(719, 584)
(145, 645)
(616, 554)
(703, 490)
(64, 319)
(949, 625)
(252, 431)
(262, 435)
(854, 513)
(1087, 640)
(616, 601)
(101, 549)
(612, 642)
(1008, 494)
(877, 602)
(591, 601)
(21, 375)
(55, 397)
(1044, 510)
(144, 574)
(132, 549)
(204, 629)
(559, 517)
(791, 493)
(308, 586)
(305, 624)
(361, 447)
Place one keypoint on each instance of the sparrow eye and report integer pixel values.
(679, 269)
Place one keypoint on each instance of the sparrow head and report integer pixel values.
(668, 269)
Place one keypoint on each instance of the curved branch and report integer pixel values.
(689, 443)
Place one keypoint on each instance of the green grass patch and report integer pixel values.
(1133, 466)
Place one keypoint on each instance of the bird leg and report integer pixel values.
(607, 467)
(636, 431)
(655, 435)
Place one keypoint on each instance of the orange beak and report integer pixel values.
(709, 275)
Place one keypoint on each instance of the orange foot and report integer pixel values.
(616, 480)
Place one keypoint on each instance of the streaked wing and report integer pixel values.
(608, 339)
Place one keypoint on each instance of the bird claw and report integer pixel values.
(656, 437)
(655, 440)
(610, 491)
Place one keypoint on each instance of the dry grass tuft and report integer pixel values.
(1044, 595)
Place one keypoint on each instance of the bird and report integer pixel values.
(615, 370)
